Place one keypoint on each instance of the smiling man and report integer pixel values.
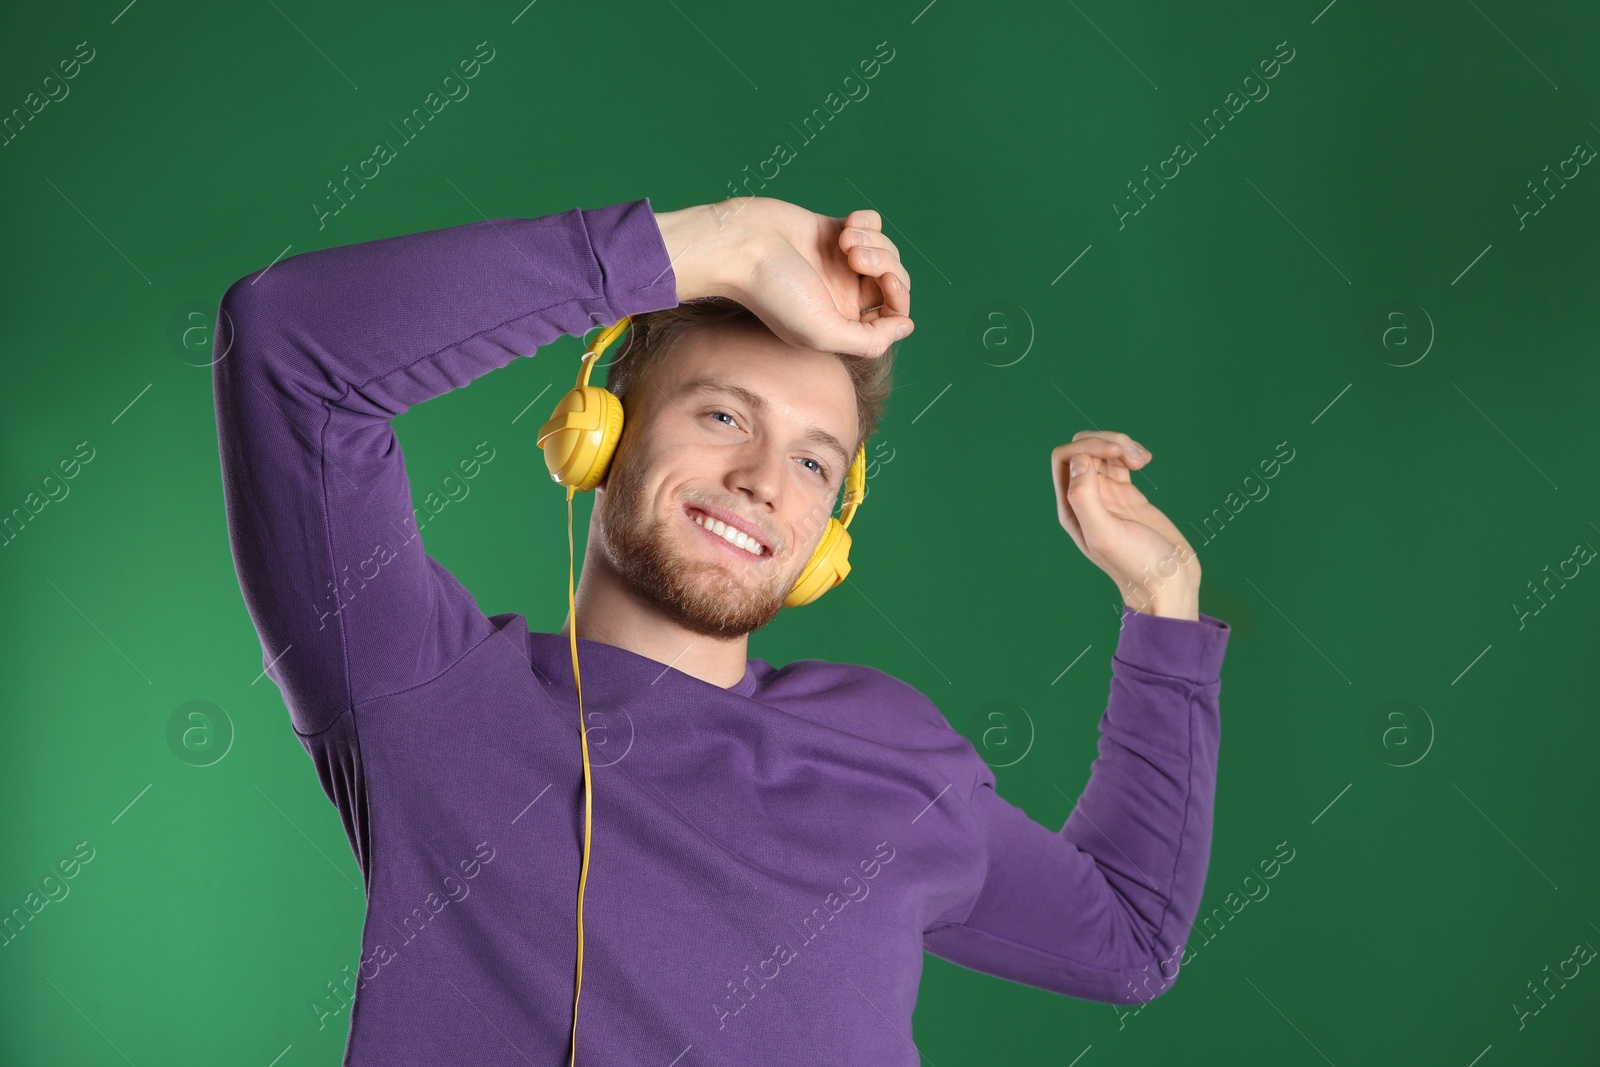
(756, 517)
(774, 848)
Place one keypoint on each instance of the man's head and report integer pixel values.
(723, 419)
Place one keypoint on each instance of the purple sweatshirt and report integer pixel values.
(769, 861)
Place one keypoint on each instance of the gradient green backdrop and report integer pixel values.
(1343, 272)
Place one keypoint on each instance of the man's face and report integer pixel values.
(759, 460)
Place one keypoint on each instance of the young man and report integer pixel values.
(774, 848)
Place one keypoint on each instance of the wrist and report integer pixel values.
(703, 249)
(1171, 604)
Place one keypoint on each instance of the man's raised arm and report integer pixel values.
(1100, 908)
(316, 354)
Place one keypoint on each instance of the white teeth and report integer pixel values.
(728, 533)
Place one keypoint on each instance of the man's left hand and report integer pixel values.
(1120, 531)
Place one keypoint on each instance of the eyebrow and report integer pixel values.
(712, 383)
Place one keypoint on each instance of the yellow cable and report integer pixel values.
(583, 875)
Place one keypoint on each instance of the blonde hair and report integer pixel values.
(653, 334)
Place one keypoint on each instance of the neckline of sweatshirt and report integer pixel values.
(607, 669)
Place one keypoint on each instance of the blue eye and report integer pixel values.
(818, 468)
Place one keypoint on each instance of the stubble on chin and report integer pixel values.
(703, 597)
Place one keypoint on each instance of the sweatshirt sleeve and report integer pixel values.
(1101, 909)
(314, 355)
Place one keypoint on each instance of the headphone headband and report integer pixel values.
(855, 486)
(601, 342)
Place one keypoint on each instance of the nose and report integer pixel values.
(756, 473)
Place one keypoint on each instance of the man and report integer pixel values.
(774, 848)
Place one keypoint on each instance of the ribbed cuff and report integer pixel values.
(627, 244)
(1180, 648)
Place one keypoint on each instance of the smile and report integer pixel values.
(730, 537)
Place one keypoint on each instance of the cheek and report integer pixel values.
(809, 526)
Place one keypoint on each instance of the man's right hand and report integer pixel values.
(821, 282)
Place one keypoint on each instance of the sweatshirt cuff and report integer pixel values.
(1180, 648)
(636, 275)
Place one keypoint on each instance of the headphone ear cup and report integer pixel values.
(610, 435)
(828, 566)
(581, 436)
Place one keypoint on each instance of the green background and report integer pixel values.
(1427, 752)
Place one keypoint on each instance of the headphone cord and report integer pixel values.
(583, 875)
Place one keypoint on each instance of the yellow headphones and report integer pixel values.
(578, 441)
(582, 433)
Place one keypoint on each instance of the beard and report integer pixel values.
(703, 596)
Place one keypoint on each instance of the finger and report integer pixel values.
(1113, 458)
(869, 339)
(1083, 497)
(872, 237)
(1069, 521)
(1130, 448)
(852, 235)
(870, 258)
(896, 298)
(864, 217)
(875, 262)
(883, 296)
(1115, 468)
(865, 235)
(869, 298)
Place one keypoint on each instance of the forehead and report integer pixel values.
(747, 363)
